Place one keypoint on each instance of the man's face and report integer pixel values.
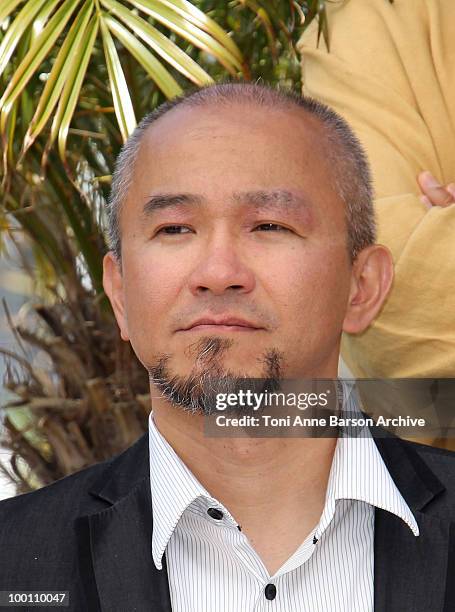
(232, 214)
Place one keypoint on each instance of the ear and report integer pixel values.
(372, 276)
(113, 287)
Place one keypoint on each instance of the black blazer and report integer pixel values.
(91, 534)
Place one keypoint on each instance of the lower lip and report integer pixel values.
(222, 328)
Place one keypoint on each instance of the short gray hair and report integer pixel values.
(351, 170)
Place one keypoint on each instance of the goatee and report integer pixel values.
(197, 392)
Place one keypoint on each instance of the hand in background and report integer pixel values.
(435, 194)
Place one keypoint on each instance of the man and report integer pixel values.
(242, 246)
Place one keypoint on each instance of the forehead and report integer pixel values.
(292, 131)
(236, 147)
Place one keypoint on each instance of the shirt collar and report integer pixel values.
(173, 488)
(357, 472)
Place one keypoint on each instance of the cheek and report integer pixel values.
(314, 288)
(149, 289)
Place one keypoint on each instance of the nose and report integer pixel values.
(221, 268)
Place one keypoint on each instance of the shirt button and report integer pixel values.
(215, 513)
(270, 591)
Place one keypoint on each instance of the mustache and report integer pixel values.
(208, 348)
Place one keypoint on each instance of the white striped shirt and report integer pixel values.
(212, 567)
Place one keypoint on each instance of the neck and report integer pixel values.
(251, 477)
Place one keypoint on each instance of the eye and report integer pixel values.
(272, 227)
(170, 230)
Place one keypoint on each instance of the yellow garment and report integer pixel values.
(391, 73)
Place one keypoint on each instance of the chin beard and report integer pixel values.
(196, 393)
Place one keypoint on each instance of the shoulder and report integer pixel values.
(440, 460)
(40, 521)
(39, 531)
(424, 475)
(56, 493)
(436, 466)
(71, 496)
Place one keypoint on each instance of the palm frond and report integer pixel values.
(61, 37)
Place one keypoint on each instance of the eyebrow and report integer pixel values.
(169, 200)
(276, 199)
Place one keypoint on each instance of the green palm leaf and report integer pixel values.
(55, 30)
(120, 94)
(155, 69)
(159, 43)
(16, 30)
(193, 15)
(77, 68)
(41, 19)
(38, 51)
(7, 8)
(205, 41)
(59, 73)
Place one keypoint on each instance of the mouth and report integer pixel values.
(223, 324)
(214, 327)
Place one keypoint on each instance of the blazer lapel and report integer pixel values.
(116, 564)
(410, 573)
